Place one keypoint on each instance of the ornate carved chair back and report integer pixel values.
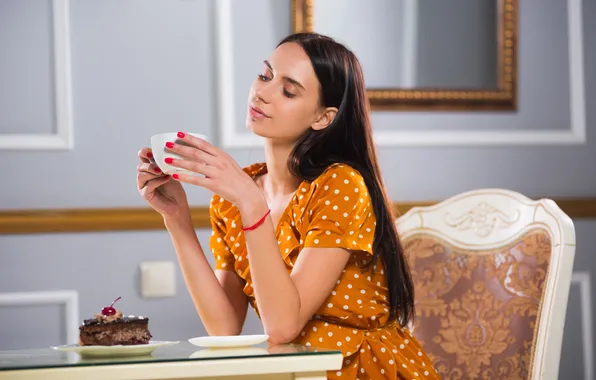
(492, 271)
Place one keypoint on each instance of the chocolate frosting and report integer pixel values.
(100, 319)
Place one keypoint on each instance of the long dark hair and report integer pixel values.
(348, 139)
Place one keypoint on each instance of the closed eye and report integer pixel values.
(265, 78)
(288, 94)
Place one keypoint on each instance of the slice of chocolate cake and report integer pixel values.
(110, 328)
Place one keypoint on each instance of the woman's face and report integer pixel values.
(283, 101)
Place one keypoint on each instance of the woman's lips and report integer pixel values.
(257, 113)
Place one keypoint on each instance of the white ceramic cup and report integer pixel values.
(160, 152)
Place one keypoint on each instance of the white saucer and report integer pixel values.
(114, 351)
(228, 341)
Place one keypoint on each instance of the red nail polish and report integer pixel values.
(181, 135)
(157, 170)
(175, 176)
(169, 145)
(169, 160)
(149, 155)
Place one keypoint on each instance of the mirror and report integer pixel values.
(421, 55)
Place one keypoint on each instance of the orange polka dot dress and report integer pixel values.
(334, 210)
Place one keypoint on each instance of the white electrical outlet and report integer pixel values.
(158, 279)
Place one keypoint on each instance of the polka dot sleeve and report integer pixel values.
(224, 259)
(342, 213)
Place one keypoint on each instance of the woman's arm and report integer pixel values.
(218, 297)
(287, 301)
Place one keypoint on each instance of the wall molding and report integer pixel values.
(63, 111)
(232, 138)
(409, 45)
(583, 280)
(67, 298)
(144, 218)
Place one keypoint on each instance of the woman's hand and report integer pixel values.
(222, 175)
(165, 195)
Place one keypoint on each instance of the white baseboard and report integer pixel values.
(68, 298)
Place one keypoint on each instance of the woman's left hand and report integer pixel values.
(222, 174)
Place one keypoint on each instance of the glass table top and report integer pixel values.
(182, 351)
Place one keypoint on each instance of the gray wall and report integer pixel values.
(145, 67)
(381, 61)
(28, 107)
(466, 55)
(463, 57)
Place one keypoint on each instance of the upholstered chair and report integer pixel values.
(492, 271)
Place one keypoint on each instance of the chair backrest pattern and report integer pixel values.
(491, 270)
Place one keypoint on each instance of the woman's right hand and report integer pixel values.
(164, 194)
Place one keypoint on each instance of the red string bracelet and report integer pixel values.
(257, 224)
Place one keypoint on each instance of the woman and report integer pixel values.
(307, 238)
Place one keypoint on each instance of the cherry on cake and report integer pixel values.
(111, 328)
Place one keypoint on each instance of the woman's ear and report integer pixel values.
(324, 119)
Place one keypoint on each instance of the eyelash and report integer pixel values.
(285, 92)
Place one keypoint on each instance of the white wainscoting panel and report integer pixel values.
(68, 298)
(582, 279)
(233, 138)
(63, 138)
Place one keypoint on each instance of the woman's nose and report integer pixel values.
(266, 92)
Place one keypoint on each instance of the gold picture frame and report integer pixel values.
(504, 98)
